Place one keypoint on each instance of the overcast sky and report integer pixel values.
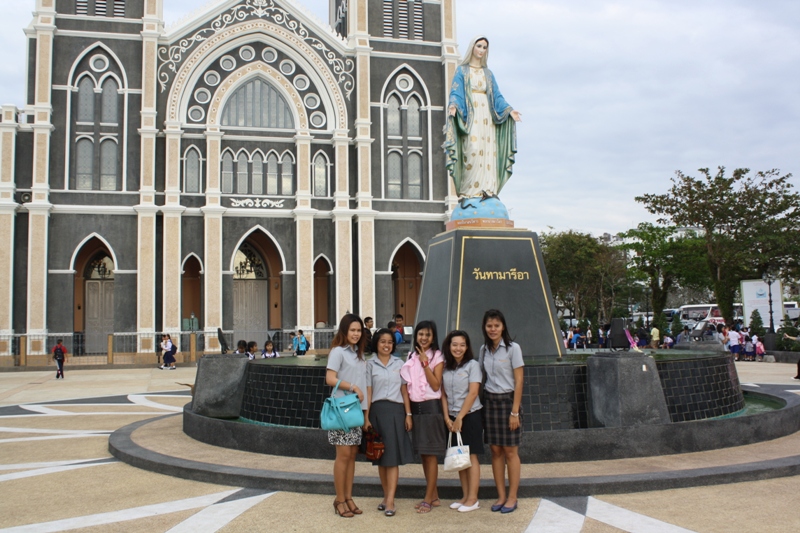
(615, 96)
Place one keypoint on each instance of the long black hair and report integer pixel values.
(377, 336)
(450, 362)
(498, 315)
(431, 325)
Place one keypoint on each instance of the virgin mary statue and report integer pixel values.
(480, 140)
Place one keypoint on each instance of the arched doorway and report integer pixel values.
(256, 287)
(322, 292)
(406, 278)
(191, 294)
(98, 302)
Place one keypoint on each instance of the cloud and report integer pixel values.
(616, 95)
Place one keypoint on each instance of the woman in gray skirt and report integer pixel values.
(422, 374)
(346, 363)
(390, 413)
(502, 364)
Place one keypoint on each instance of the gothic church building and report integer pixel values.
(250, 168)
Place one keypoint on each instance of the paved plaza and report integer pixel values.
(56, 473)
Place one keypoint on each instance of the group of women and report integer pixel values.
(413, 405)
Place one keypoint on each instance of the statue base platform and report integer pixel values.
(470, 270)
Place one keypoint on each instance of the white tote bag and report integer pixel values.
(456, 458)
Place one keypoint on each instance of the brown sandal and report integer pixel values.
(347, 512)
(354, 509)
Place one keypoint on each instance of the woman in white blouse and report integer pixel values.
(462, 381)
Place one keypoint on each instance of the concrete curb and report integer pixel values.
(122, 447)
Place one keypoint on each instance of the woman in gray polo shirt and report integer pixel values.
(346, 363)
(502, 364)
(461, 381)
(390, 412)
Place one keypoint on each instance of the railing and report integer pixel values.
(138, 348)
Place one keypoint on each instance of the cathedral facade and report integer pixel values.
(250, 168)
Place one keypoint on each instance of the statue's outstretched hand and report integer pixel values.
(516, 115)
(452, 110)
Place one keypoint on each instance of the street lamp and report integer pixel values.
(769, 279)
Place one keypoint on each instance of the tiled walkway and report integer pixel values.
(56, 474)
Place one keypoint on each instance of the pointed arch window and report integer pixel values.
(272, 174)
(320, 176)
(110, 106)
(96, 114)
(413, 118)
(86, 100)
(192, 170)
(227, 173)
(241, 173)
(287, 176)
(405, 141)
(257, 104)
(393, 116)
(258, 175)
(394, 176)
(108, 165)
(85, 164)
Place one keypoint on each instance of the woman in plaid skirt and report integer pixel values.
(502, 364)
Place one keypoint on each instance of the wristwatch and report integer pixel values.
(514, 414)
(409, 414)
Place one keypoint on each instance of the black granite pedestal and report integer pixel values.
(468, 271)
(625, 390)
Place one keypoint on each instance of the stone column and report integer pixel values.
(304, 220)
(343, 227)
(171, 255)
(359, 39)
(212, 260)
(450, 59)
(146, 210)
(8, 209)
(39, 208)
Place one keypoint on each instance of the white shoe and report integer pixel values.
(455, 505)
(465, 509)
(162, 367)
(173, 368)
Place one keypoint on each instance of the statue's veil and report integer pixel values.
(468, 53)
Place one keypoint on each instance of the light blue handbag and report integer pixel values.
(342, 413)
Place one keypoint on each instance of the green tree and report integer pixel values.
(748, 224)
(756, 324)
(665, 257)
(569, 258)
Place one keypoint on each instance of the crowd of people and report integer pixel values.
(414, 403)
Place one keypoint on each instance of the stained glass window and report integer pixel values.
(272, 174)
(258, 175)
(86, 100)
(320, 176)
(287, 176)
(110, 98)
(393, 117)
(415, 176)
(241, 173)
(394, 176)
(227, 173)
(85, 163)
(108, 166)
(413, 118)
(192, 172)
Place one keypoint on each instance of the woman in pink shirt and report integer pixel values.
(422, 376)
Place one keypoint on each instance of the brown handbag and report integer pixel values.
(372, 445)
